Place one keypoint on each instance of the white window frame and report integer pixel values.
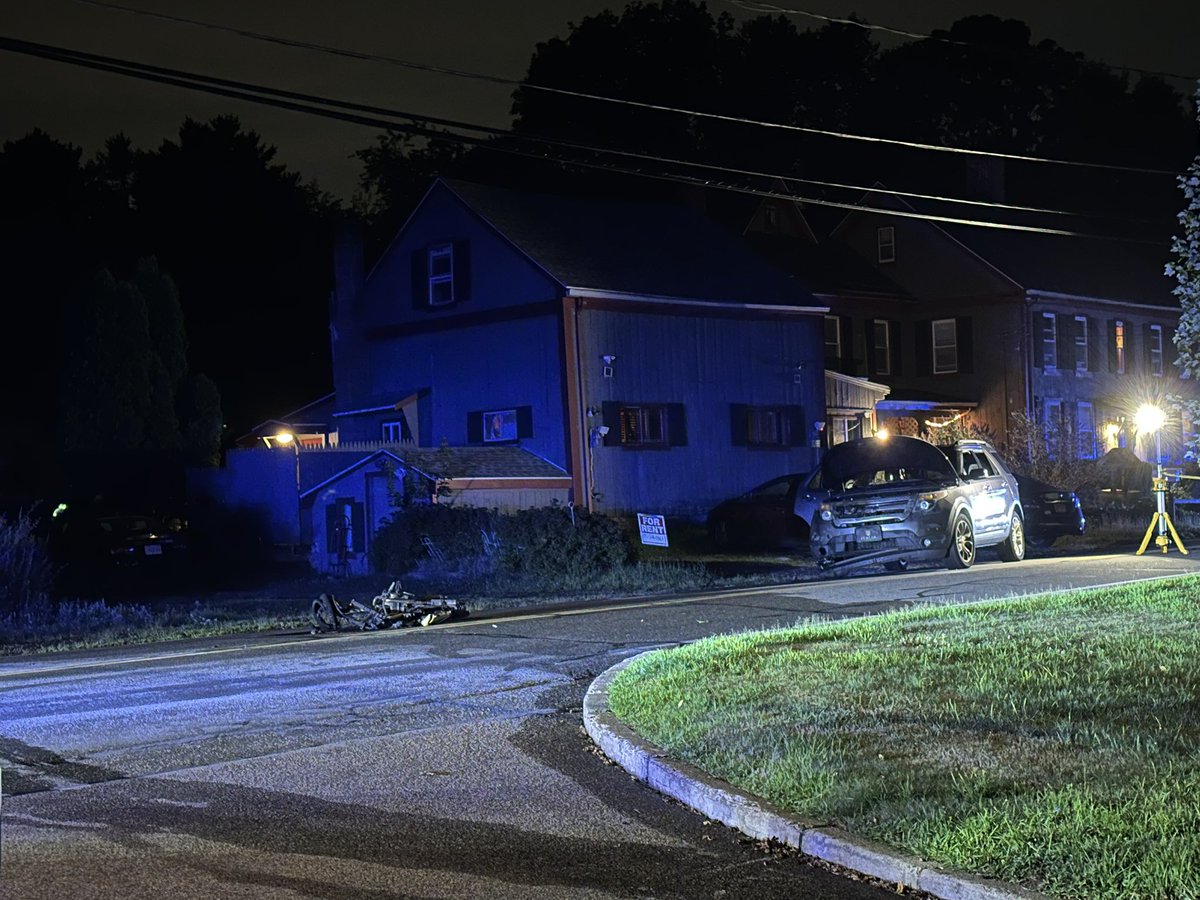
(637, 421)
(1085, 429)
(952, 345)
(1050, 341)
(1156, 351)
(1052, 424)
(1121, 343)
(1081, 345)
(837, 327)
(436, 255)
(881, 327)
(885, 240)
(391, 432)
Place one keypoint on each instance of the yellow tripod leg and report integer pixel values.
(1175, 535)
(1146, 539)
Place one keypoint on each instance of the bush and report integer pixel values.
(537, 542)
(26, 573)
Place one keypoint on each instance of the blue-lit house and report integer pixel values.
(639, 348)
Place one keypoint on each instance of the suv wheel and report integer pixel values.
(962, 542)
(1013, 547)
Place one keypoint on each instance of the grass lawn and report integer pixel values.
(1051, 741)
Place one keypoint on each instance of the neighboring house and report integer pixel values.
(309, 426)
(641, 348)
(1074, 332)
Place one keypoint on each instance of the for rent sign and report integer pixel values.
(653, 529)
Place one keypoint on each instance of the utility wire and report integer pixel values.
(762, 7)
(584, 95)
(374, 117)
(66, 55)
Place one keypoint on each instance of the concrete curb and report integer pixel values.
(761, 820)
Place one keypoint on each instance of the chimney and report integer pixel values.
(347, 266)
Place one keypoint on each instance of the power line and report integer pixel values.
(762, 7)
(374, 117)
(584, 95)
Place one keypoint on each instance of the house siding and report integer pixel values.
(705, 363)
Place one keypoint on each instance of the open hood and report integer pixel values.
(858, 460)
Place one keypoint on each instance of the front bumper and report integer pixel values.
(837, 546)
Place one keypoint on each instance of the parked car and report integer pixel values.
(768, 516)
(900, 499)
(1050, 512)
(96, 548)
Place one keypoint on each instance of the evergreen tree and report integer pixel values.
(1185, 268)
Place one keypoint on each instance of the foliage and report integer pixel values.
(26, 573)
(1049, 455)
(1047, 740)
(1185, 268)
(539, 542)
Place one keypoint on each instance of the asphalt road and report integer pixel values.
(434, 763)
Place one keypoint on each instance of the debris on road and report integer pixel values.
(394, 607)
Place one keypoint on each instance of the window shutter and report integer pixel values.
(676, 425)
(846, 363)
(1112, 346)
(739, 424)
(1066, 343)
(894, 341)
(869, 344)
(475, 427)
(795, 420)
(965, 336)
(420, 279)
(610, 413)
(462, 272)
(923, 341)
(357, 523)
(1147, 343)
(1093, 348)
(524, 421)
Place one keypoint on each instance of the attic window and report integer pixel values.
(886, 237)
(441, 275)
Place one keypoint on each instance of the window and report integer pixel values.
(1155, 350)
(1085, 429)
(499, 426)
(945, 346)
(881, 347)
(1049, 341)
(1053, 426)
(833, 337)
(396, 432)
(441, 275)
(1081, 344)
(886, 238)
(1118, 360)
(768, 426)
(644, 426)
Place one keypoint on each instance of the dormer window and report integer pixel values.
(441, 275)
(886, 238)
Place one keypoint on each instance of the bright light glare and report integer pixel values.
(883, 434)
(1149, 418)
(284, 437)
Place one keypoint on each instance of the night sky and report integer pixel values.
(498, 38)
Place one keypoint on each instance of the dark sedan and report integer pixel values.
(765, 517)
(1050, 512)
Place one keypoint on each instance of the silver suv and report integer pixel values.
(900, 499)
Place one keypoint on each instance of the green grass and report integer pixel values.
(1050, 741)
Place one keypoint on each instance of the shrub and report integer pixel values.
(551, 541)
(455, 532)
(26, 573)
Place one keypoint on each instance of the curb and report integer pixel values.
(761, 820)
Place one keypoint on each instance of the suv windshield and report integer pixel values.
(881, 462)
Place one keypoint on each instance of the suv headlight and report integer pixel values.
(826, 512)
(928, 501)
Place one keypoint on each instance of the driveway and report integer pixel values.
(443, 762)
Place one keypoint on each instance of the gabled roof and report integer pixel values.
(644, 249)
(1077, 266)
(431, 463)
